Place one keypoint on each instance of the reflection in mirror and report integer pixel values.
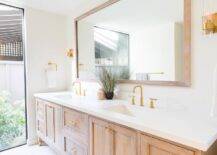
(141, 40)
(112, 51)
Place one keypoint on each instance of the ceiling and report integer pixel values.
(131, 16)
(11, 18)
(76, 7)
(65, 7)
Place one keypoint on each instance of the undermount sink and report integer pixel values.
(67, 96)
(122, 109)
(142, 112)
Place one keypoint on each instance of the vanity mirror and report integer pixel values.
(143, 41)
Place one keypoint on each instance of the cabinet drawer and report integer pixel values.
(153, 146)
(74, 148)
(76, 121)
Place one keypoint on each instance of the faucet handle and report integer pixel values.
(152, 103)
(153, 99)
(84, 92)
(76, 91)
(133, 100)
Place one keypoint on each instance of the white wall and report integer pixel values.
(198, 97)
(86, 48)
(46, 40)
(153, 48)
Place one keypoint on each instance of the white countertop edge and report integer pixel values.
(202, 146)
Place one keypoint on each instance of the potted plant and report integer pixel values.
(108, 81)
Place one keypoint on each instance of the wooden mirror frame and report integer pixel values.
(186, 53)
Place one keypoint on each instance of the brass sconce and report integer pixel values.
(70, 53)
(210, 23)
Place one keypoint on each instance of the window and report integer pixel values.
(11, 44)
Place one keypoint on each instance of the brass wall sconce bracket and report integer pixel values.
(210, 23)
(70, 53)
(50, 65)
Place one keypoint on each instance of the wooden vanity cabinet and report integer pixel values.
(75, 132)
(73, 147)
(110, 139)
(101, 138)
(153, 146)
(70, 132)
(125, 140)
(50, 122)
(48, 118)
(40, 118)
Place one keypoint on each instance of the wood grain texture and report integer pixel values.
(187, 42)
(75, 121)
(73, 147)
(101, 139)
(75, 125)
(49, 128)
(212, 150)
(187, 48)
(40, 118)
(152, 146)
(125, 140)
(50, 123)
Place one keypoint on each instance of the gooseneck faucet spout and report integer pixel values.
(141, 94)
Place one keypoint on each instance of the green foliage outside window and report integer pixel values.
(12, 121)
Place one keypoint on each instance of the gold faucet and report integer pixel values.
(141, 94)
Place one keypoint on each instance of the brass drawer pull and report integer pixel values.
(109, 129)
(73, 123)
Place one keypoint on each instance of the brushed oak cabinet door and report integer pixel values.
(72, 147)
(125, 141)
(40, 118)
(50, 123)
(101, 138)
(153, 146)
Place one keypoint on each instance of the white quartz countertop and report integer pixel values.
(174, 124)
